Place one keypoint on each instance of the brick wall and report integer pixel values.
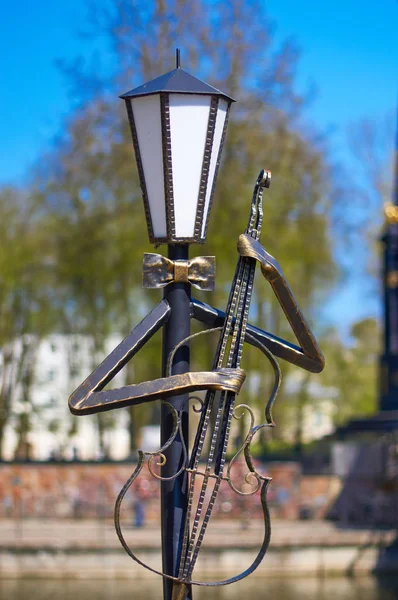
(79, 490)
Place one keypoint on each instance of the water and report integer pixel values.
(361, 588)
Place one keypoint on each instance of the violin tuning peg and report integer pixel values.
(264, 179)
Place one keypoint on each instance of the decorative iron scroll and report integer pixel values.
(261, 482)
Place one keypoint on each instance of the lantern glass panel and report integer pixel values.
(215, 156)
(146, 111)
(189, 117)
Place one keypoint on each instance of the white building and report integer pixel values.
(61, 363)
(317, 416)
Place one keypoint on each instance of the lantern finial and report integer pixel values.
(178, 62)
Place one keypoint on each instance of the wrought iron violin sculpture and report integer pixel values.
(222, 383)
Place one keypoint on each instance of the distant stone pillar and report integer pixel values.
(388, 396)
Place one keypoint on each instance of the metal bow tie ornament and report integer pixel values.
(206, 463)
(158, 271)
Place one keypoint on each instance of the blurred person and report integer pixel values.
(140, 497)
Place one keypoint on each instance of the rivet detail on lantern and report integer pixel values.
(167, 166)
(217, 162)
(140, 170)
(206, 165)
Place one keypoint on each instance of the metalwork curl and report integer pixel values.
(196, 409)
(184, 341)
(247, 408)
(162, 461)
(245, 448)
(248, 456)
(246, 442)
(278, 378)
(177, 427)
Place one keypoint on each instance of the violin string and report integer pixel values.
(205, 418)
(206, 414)
(242, 296)
(198, 512)
(202, 427)
(225, 408)
(226, 328)
(241, 331)
(190, 560)
(216, 439)
(209, 401)
(189, 538)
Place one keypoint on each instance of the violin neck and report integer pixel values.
(235, 322)
(240, 295)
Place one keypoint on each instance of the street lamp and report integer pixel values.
(178, 124)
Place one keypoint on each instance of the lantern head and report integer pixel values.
(178, 124)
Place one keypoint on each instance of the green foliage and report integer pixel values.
(353, 369)
(89, 227)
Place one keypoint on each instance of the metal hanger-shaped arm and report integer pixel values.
(308, 355)
(90, 397)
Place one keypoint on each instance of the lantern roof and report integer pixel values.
(176, 81)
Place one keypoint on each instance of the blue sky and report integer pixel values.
(349, 51)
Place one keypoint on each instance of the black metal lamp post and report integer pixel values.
(178, 125)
